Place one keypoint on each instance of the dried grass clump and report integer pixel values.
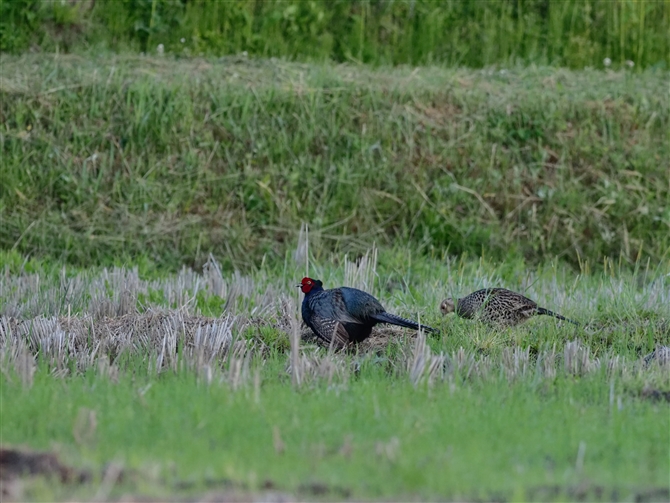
(314, 365)
(424, 365)
(167, 337)
(215, 350)
(120, 291)
(515, 363)
(577, 359)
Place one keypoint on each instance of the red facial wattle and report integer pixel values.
(306, 284)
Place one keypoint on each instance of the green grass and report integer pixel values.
(571, 33)
(119, 376)
(373, 438)
(109, 159)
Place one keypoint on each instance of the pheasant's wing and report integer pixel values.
(359, 305)
(521, 304)
(337, 307)
(330, 305)
(330, 331)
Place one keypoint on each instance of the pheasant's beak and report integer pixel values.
(298, 286)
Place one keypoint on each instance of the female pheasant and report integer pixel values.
(497, 306)
(344, 315)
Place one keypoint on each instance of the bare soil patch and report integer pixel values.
(18, 463)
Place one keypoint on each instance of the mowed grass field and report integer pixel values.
(198, 385)
(153, 229)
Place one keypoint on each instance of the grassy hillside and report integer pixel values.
(109, 158)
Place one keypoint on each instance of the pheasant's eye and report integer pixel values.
(309, 282)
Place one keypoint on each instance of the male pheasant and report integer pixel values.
(344, 315)
(497, 306)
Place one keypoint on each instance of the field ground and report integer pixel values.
(195, 385)
(152, 233)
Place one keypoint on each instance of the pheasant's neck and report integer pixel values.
(314, 291)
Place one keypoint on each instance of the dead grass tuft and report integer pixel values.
(169, 336)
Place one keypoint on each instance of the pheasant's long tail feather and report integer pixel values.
(402, 322)
(541, 310)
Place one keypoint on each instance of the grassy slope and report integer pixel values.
(115, 158)
(512, 430)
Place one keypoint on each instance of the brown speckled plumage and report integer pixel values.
(497, 306)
